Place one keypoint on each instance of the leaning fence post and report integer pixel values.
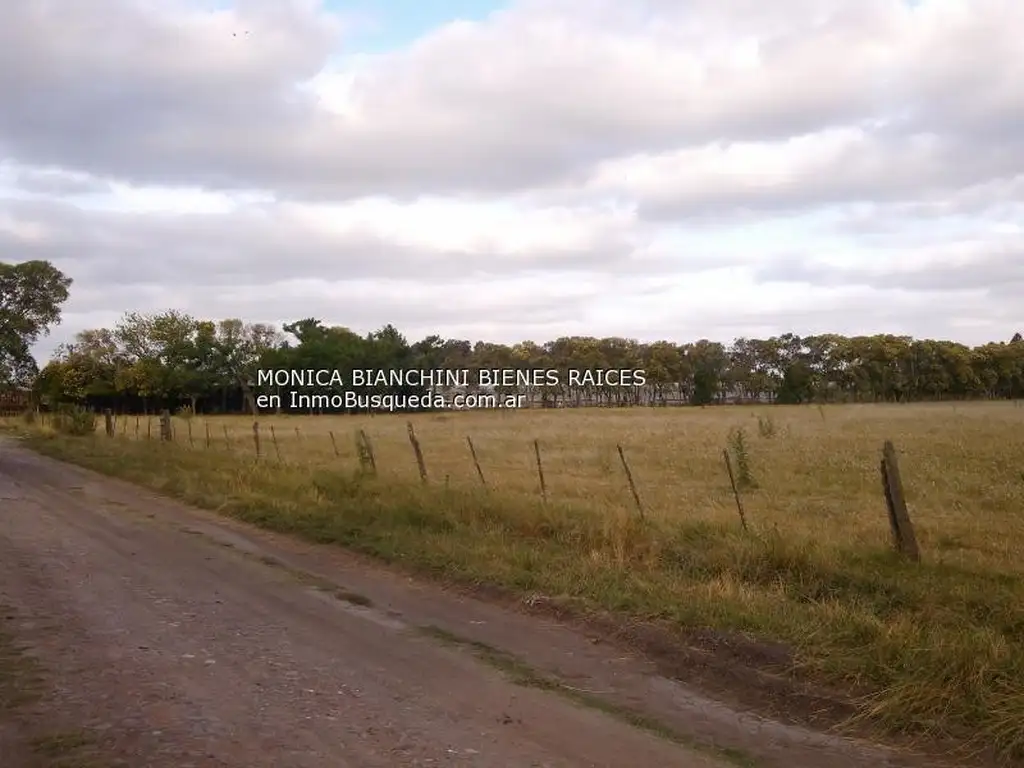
(476, 461)
(418, 451)
(367, 451)
(632, 485)
(735, 489)
(540, 471)
(334, 443)
(904, 538)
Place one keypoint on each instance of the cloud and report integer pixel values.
(51, 181)
(537, 92)
(646, 169)
(992, 265)
(212, 240)
(831, 167)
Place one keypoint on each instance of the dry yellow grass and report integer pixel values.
(817, 476)
(936, 645)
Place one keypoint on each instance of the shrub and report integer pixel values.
(74, 420)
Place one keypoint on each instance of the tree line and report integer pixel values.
(173, 360)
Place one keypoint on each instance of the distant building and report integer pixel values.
(14, 400)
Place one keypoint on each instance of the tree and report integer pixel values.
(709, 361)
(31, 296)
(661, 363)
(157, 351)
(85, 369)
(238, 348)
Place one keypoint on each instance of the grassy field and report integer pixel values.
(935, 647)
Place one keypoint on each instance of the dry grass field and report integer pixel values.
(929, 648)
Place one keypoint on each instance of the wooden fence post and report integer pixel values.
(334, 443)
(540, 471)
(418, 451)
(108, 421)
(227, 438)
(476, 461)
(904, 538)
(632, 485)
(256, 438)
(165, 426)
(277, 448)
(370, 451)
(209, 441)
(735, 489)
(191, 442)
(364, 448)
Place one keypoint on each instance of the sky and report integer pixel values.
(525, 170)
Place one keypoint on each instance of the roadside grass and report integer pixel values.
(930, 649)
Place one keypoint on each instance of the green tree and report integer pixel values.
(709, 362)
(86, 368)
(31, 296)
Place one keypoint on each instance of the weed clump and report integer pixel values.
(766, 427)
(741, 458)
(74, 420)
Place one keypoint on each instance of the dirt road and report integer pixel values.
(170, 637)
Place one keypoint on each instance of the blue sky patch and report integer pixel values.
(393, 23)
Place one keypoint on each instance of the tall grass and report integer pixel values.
(932, 648)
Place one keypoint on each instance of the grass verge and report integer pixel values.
(929, 650)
